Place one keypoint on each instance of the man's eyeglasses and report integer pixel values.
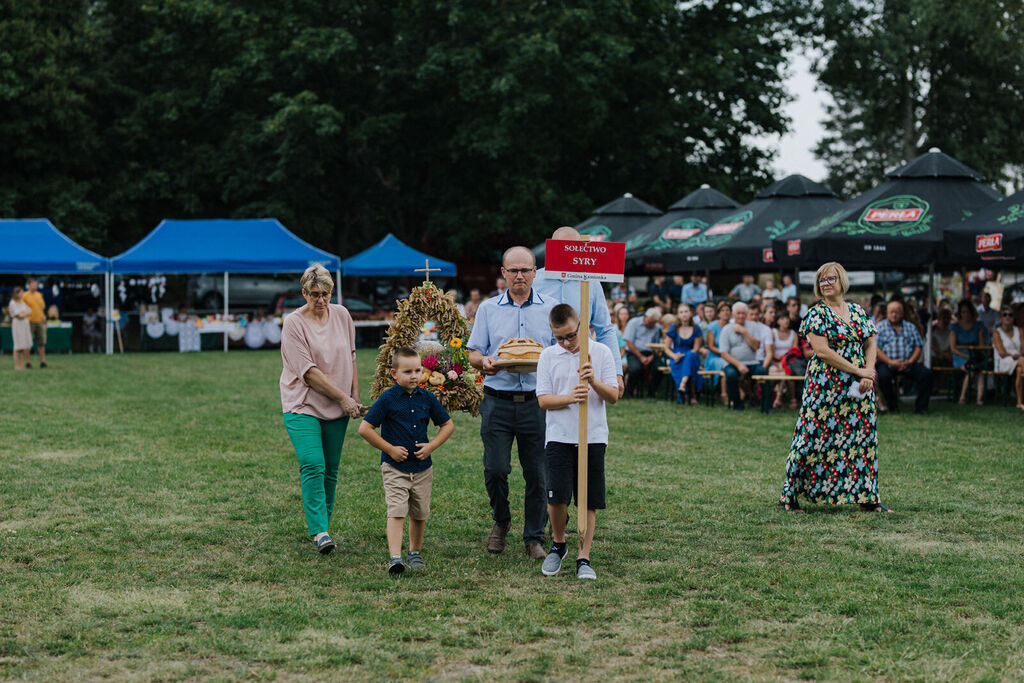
(517, 271)
(830, 280)
(568, 337)
(318, 295)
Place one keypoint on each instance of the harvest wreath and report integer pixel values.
(446, 370)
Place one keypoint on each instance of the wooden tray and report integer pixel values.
(518, 366)
(657, 346)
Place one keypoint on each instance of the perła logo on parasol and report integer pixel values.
(676, 232)
(721, 232)
(598, 233)
(992, 242)
(898, 216)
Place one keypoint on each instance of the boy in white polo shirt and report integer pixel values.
(560, 391)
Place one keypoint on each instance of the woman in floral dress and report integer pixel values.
(834, 454)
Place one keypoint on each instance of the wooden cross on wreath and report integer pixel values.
(427, 270)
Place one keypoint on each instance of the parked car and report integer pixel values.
(358, 307)
(244, 290)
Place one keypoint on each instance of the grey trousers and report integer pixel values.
(501, 422)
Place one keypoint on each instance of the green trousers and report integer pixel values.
(318, 445)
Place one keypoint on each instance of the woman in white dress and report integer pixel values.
(20, 330)
(1008, 340)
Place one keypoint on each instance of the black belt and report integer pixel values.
(517, 396)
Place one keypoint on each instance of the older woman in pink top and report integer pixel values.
(319, 393)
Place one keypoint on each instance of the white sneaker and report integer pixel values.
(552, 564)
(585, 571)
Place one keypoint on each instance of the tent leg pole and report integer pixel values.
(108, 277)
(338, 275)
(225, 310)
(931, 290)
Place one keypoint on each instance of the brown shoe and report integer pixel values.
(496, 541)
(535, 551)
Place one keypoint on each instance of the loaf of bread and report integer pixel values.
(520, 349)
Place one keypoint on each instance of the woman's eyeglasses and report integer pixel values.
(318, 295)
(568, 337)
(1006, 314)
(830, 280)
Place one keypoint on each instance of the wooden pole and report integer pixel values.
(582, 455)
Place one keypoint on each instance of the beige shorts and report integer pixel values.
(39, 334)
(407, 494)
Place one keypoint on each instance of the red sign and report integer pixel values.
(891, 215)
(679, 233)
(767, 255)
(723, 228)
(793, 247)
(577, 260)
(993, 242)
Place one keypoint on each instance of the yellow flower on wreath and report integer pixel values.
(455, 343)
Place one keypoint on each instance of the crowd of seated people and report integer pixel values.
(740, 338)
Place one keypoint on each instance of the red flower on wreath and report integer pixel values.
(430, 362)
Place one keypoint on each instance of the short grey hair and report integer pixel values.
(654, 313)
(317, 276)
(740, 306)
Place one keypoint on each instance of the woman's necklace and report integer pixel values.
(842, 310)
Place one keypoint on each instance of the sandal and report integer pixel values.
(793, 404)
(790, 505)
(873, 507)
(325, 545)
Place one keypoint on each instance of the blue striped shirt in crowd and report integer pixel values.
(898, 346)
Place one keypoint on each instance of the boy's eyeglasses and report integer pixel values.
(318, 295)
(568, 337)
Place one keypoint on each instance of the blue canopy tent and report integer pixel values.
(393, 257)
(34, 245)
(257, 245)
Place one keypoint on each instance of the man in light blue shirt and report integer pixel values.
(509, 409)
(568, 292)
(695, 292)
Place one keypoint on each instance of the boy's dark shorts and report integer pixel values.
(561, 460)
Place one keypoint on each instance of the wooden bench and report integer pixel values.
(709, 392)
(766, 394)
(949, 373)
(1003, 385)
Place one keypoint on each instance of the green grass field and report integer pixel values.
(151, 527)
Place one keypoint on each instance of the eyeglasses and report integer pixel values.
(1006, 314)
(517, 271)
(318, 295)
(568, 337)
(830, 280)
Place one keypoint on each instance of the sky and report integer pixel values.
(807, 110)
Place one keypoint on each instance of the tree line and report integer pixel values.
(466, 125)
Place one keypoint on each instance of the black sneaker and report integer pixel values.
(396, 566)
(42, 365)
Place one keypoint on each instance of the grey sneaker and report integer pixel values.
(396, 566)
(552, 564)
(415, 561)
(585, 571)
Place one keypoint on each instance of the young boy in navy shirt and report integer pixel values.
(561, 388)
(402, 413)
